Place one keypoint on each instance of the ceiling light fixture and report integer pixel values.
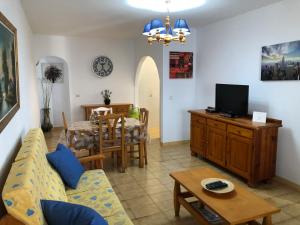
(155, 30)
(159, 5)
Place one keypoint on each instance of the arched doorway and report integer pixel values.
(60, 100)
(147, 93)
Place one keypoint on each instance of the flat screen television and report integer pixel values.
(232, 99)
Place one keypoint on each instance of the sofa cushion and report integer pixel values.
(65, 213)
(66, 164)
(34, 145)
(28, 182)
(89, 181)
(103, 200)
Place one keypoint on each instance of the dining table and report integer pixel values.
(85, 134)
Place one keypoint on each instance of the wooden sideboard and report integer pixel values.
(117, 108)
(244, 147)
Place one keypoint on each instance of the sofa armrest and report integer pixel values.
(9, 220)
(97, 159)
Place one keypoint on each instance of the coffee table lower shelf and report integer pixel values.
(195, 213)
(198, 216)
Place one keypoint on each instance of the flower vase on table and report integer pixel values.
(106, 96)
(107, 101)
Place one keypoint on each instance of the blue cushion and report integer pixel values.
(66, 164)
(64, 213)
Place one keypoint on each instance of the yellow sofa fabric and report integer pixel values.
(25, 186)
(90, 180)
(34, 145)
(95, 191)
(31, 179)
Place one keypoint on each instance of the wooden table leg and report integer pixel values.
(176, 202)
(123, 160)
(141, 157)
(267, 220)
(131, 151)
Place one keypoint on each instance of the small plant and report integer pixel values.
(106, 96)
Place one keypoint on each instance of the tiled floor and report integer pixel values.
(146, 194)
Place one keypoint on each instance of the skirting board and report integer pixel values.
(165, 144)
(287, 183)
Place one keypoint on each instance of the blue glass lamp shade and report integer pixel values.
(156, 25)
(181, 25)
(146, 31)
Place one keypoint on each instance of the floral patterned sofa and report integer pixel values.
(31, 179)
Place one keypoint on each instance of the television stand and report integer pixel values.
(246, 148)
(228, 115)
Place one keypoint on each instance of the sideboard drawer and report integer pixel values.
(240, 131)
(198, 119)
(121, 109)
(216, 124)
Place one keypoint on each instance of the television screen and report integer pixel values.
(232, 99)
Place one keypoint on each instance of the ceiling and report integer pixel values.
(115, 19)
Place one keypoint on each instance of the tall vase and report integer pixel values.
(46, 122)
(106, 101)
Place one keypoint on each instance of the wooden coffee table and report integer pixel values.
(238, 207)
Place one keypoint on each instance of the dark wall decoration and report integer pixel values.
(9, 72)
(181, 65)
(281, 61)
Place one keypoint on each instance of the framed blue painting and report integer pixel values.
(9, 72)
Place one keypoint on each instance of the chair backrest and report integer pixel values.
(103, 111)
(111, 131)
(144, 116)
(65, 122)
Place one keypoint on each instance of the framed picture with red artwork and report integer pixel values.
(181, 65)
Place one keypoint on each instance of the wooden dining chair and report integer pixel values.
(144, 118)
(141, 142)
(77, 152)
(112, 137)
(65, 123)
(101, 111)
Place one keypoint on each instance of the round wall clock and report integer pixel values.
(102, 66)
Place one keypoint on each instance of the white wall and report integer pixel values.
(85, 86)
(230, 52)
(148, 85)
(28, 115)
(178, 94)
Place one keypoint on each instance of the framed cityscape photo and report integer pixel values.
(281, 61)
(9, 73)
(181, 65)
